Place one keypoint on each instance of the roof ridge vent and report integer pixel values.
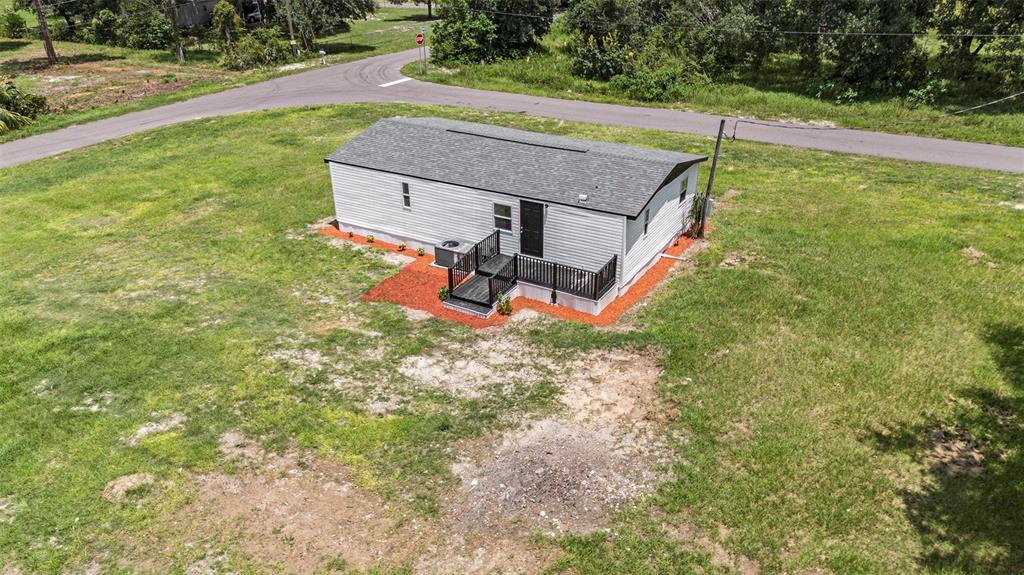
(510, 140)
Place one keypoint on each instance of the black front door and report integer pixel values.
(531, 228)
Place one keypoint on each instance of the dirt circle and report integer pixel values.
(555, 475)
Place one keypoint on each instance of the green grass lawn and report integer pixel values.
(817, 383)
(773, 94)
(113, 81)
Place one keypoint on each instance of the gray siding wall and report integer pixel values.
(373, 200)
(666, 222)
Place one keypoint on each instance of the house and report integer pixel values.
(574, 222)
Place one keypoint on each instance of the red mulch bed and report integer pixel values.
(416, 286)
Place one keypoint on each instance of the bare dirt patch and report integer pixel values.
(738, 260)
(95, 404)
(498, 358)
(299, 511)
(956, 452)
(694, 539)
(555, 475)
(416, 315)
(173, 421)
(395, 259)
(615, 388)
(976, 257)
(120, 489)
(78, 83)
(7, 510)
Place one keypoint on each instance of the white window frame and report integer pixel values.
(495, 216)
(647, 220)
(406, 196)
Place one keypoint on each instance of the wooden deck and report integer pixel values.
(494, 265)
(476, 289)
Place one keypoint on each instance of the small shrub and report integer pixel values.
(103, 29)
(401, 246)
(600, 58)
(263, 47)
(12, 25)
(145, 29)
(370, 239)
(17, 108)
(420, 252)
(351, 234)
(504, 304)
(442, 294)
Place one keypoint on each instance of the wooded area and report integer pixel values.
(842, 51)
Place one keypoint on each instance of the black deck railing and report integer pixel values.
(568, 279)
(487, 248)
(463, 268)
(503, 280)
(558, 277)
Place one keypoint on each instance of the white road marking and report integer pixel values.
(395, 82)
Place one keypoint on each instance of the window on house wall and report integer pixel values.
(406, 198)
(647, 219)
(682, 191)
(503, 217)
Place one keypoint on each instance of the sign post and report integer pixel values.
(420, 38)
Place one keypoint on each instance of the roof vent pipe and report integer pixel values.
(584, 198)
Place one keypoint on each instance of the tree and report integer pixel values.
(227, 24)
(461, 36)
(75, 14)
(519, 24)
(965, 22)
(315, 18)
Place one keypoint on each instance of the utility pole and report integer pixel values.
(172, 17)
(711, 181)
(44, 31)
(291, 31)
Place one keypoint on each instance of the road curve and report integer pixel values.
(360, 81)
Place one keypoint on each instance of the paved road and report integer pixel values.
(361, 81)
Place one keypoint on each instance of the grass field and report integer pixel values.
(842, 386)
(93, 82)
(775, 93)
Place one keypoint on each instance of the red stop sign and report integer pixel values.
(419, 38)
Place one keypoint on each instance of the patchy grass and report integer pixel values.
(833, 363)
(93, 82)
(774, 93)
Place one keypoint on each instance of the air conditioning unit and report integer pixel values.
(448, 252)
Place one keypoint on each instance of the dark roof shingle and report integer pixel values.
(617, 178)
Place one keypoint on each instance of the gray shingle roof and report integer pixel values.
(616, 178)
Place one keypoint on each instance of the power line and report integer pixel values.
(1011, 96)
(764, 30)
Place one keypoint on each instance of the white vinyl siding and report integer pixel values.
(581, 238)
(667, 214)
(572, 236)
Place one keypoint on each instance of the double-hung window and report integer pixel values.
(647, 219)
(503, 217)
(406, 198)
